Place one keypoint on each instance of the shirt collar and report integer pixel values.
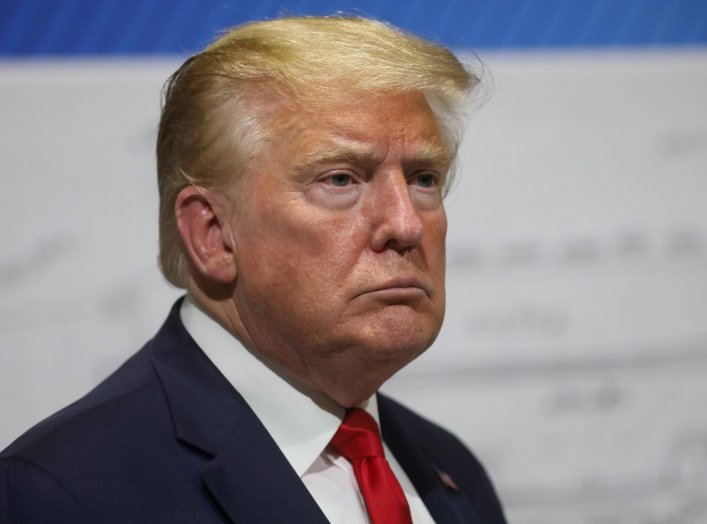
(300, 419)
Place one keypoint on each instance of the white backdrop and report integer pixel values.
(574, 355)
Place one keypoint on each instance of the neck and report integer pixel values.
(339, 374)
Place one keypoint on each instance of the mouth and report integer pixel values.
(398, 290)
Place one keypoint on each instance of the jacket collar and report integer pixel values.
(247, 474)
(444, 500)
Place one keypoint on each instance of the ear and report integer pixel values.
(202, 223)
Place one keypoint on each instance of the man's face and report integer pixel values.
(339, 232)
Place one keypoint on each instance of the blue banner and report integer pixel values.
(128, 27)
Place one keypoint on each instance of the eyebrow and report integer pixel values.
(355, 154)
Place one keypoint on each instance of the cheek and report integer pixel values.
(322, 242)
(296, 250)
(435, 241)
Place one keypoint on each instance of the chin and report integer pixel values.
(398, 349)
(400, 335)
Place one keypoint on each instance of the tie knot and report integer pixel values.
(358, 436)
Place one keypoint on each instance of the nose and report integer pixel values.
(396, 221)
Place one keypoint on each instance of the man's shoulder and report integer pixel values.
(47, 473)
(116, 403)
(131, 393)
(100, 458)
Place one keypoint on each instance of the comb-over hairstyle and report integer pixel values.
(212, 122)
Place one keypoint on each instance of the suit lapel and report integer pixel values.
(251, 480)
(247, 474)
(446, 504)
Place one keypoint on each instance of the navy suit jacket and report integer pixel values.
(166, 439)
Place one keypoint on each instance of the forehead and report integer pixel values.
(360, 125)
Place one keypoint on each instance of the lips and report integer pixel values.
(400, 285)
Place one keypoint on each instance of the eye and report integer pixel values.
(425, 180)
(336, 189)
(339, 179)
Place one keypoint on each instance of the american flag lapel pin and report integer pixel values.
(446, 480)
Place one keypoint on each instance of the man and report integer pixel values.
(301, 164)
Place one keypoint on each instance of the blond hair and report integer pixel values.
(210, 128)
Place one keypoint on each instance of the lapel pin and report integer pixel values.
(447, 480)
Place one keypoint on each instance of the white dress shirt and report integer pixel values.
(300, 420)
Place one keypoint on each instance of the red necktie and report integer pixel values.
(358, 439)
